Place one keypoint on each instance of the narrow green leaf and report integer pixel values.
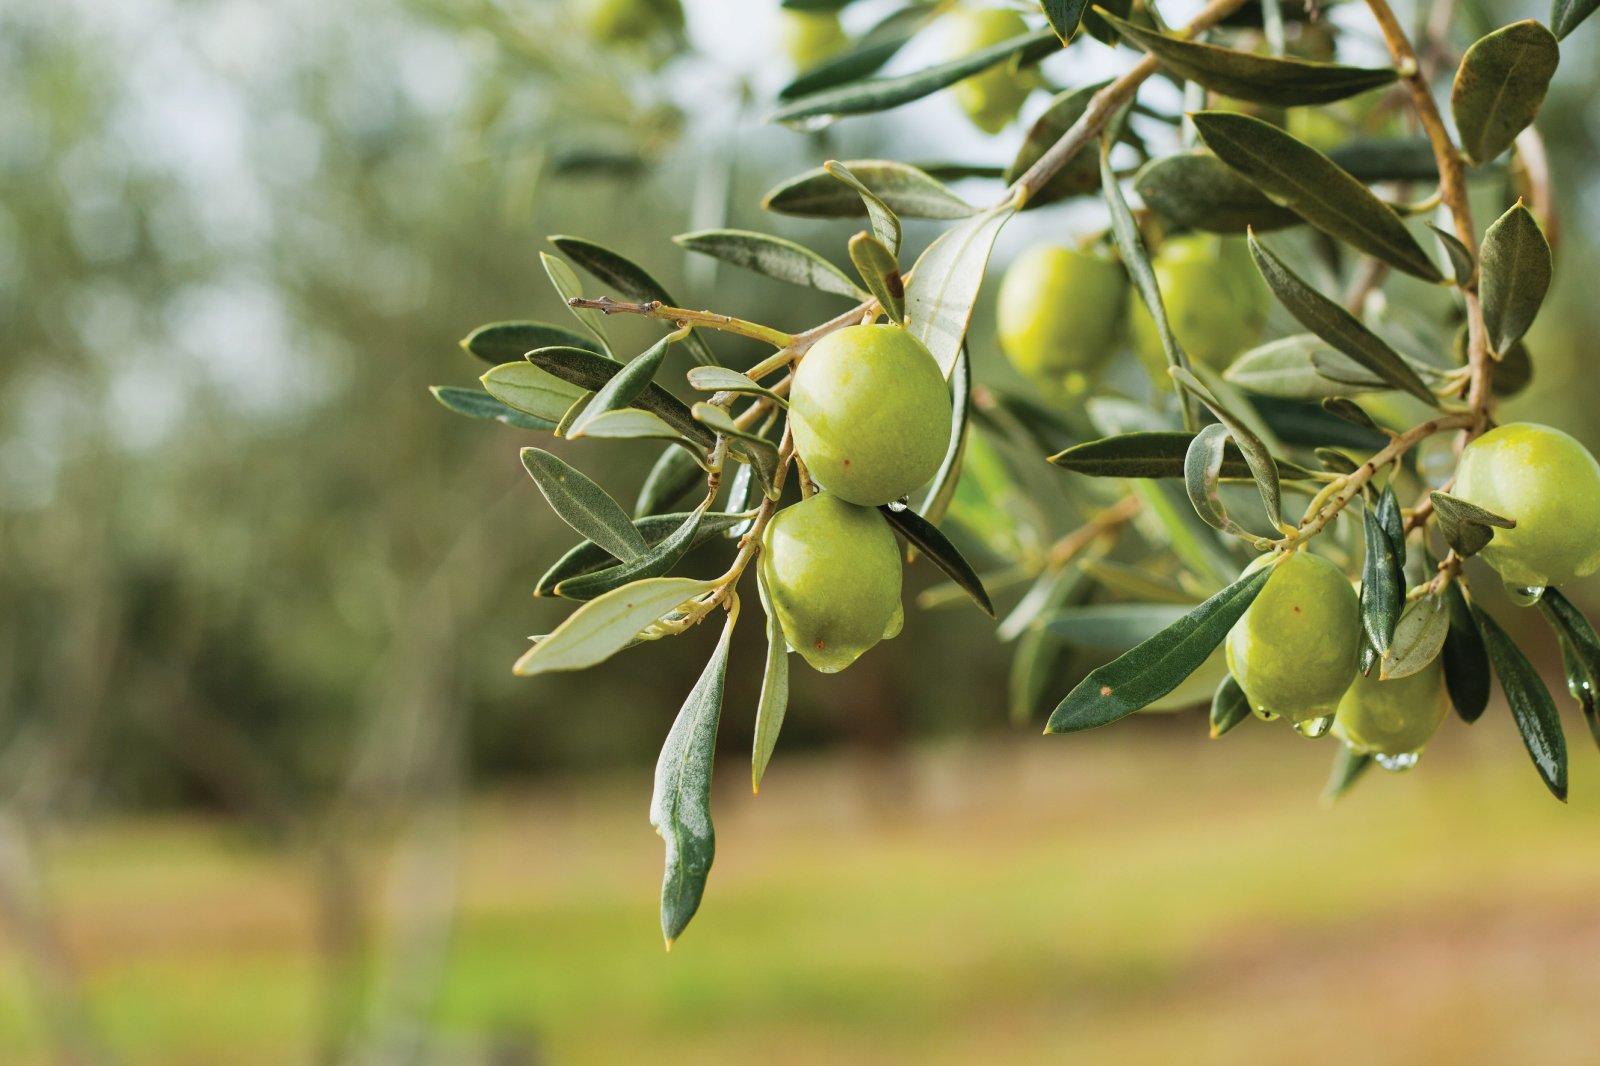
(772, 256)
(1393, 522)
(1263, 467)
(1229, 707)
(531, 391)
(658, 560)
(944, 283)
(625, 386)
(567, 286)
(509, 342)
(883, 94)
(1198, 191)
(864, 56)
(722, 379)
(774, 689)
(885, 223)
(630, 423)
(1466, 527)
(1154, 668)
(604, 626)
(926, 538)
(1082, 174)
(1382, 585)
(1348, 766)
(1297, 176)
(1371, 160)
(879, 269)
(1115, 627)
(1202, 470)
(1466, 660)
(680, 807)
(1462, 262)
(1501, 85)
(1301, 367)
(586, 556)
(631, 281)
(672, 476)
(591, 372)
(1064, 16)
(583, 505)
(1256, 78)
(1337, 326)
(942, 489)
(750, 447)
(1515, 276)
(1154, 454)
(475, 403)
(1535, 712)
(1418, 639)
(905, 190)
(1566, 14)
(1580, 654)
(1336, 462)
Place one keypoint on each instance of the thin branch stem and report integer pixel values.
(684, 317)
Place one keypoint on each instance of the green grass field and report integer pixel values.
(1135, 896)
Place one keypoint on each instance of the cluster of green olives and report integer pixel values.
(631, 21)
(869, 412)
(1063, 313)
(990, 98)
(811, 37)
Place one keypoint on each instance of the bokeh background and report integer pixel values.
(268, 790)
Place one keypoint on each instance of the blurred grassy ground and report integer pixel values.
(1135, 896)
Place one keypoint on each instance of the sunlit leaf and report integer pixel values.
(880, 270)
(773, 256)
(1418, 639)
(905, 190)
(624, 387)
(586, 557)
(630, 281)
(591, 372)
(568, 288)
(604, 626)
(885, 223)
(508, 342)
(657, 560)
(944, 283)
(583, 505)
(531, 390)
(774, 689)
(1229, 707)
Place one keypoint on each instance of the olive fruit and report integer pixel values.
(1215, 301)
(832, 570)
(992, 97)
(1060, 312)
(1549, 484)
(1393, 717)
(1294, 651)
(811, 37)
(624, 21)
(870, 413)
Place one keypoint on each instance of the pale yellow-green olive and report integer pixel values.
(1059, 315)
(1547, 482)
(1394, 717)
(811, 37)
(870, 413)
(622, 21)
(991, 98)
(1294, 651)
(832, 570)
(1215, 300)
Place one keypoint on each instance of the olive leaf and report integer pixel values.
(1198, 191)
(903, 189)
(753, 448)
(680, 806)
(531, 390)
(722, 379)
(883, 94)
(773, 256)
(1297, 176)
(1466, 661)
(1348, 766)
(881, 271)
(1141, 676)
(624, 387)
(1467, 527)
(1500, 86)
(1418, 638)
(1246, 76)
(774, 688)
(926, 538)
(567, 286)
(942, 489)
(1301, 367)
(583, 505)
(604, 626)
(1202, 469)
(674, 473)
(1566, 14)
(1383, 587)
(1515, 276)
(628, 279)
(1535, 712)
(1155, 454)
(508, 342)
(475, 403)
(1337, 326)
(1580, 653)
(1114, 627)
(591, 372)
(1462, 262)
(885, 223)
(1229, 707)
(656, 561)
(1081, 174)
(1064, 16)
(944, 283)
(630, 423)
(1376, 159)
(586, 556)
(863, 56)
(1263, 467)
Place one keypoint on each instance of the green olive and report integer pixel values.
(1294, 650)
(1549, 484)
(991, 98)
(833, 572)
(625, 21)
(870, 413)
(1394, 717)
(1216, 302)
(1060, 312)
(811, 37)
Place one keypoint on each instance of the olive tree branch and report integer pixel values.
(684, 317)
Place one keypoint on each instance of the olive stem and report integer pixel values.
(684, 317)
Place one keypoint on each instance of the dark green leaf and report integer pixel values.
(475, 403)
(630, 281)
(944, 283)
(885, 223)
(1337, 326)
(1466, 661)
(883, 94)
(604, 626)
(1535, 712)
(774, 688)
(1348, 766)
(1116, 627)
(567, 287)
(1462, 262)
(926, 538)
(1198, 191)
(905, 190)
(1064, 16)
(879, 269)
(583, 505)
(1229, 707)
(1308, 425)
(655, 562)
(1393, 521)
(1418, 638)
(680, 807)
(1256, 78)
(1501, 85)
(1387, 159)
(1566, 14)
(674, 474)
(1580, 647)
(589, 371)
(1081, 174)
(1350, 411)
(1297, 176)
(747, 446)
(1383, 591)
(1336, 462)
(1156, 667)
(863, 57)
(1263, 467)
(508, 342)
(624, 387)
(586, 557)
(1154, 454)
(1515, 276)
(772, 256)
(1467, 527)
